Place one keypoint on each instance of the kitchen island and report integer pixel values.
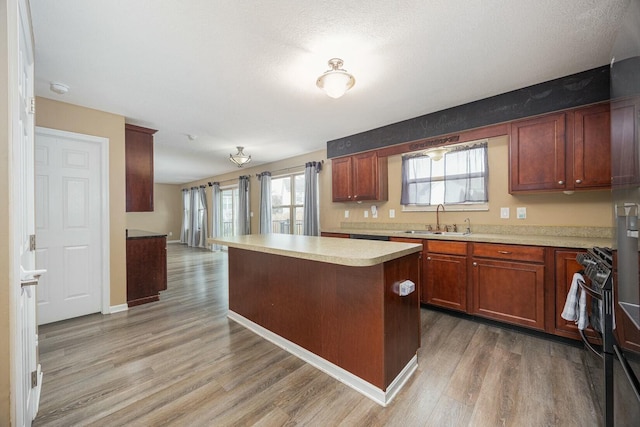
(334, 303)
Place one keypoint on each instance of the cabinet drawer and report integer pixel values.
(446, 247)
(511, 252)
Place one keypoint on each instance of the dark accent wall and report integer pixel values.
(583, 88)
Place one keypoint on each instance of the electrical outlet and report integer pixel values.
(504, 213)
(346, 214)
(521, 213)
(170, 233)
(374, 211)
(366, 214)
(392, 213)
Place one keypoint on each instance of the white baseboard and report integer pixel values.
(369, 390)
(118, 308)
(173, 241)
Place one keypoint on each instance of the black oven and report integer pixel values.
(617, 379)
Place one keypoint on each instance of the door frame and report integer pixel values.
(105, 228)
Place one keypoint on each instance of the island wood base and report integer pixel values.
(351, 318)
(382, 397)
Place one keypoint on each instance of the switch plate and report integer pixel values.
(346, 214)
(504, 213)
(521, 213)
(374, 211)
(366, 214)
(392, 213)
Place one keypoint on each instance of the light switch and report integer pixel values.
(392, 213)
(346, 214)
(366, 214)
(504, 213)
(521, 213)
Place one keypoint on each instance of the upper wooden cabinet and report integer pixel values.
(563, 151)
(359, 177)
(139, 168)
(624, 148)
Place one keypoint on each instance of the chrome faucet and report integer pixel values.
(468, 230)
(438, 216)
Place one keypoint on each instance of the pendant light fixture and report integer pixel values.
(436, 153)
(239, 159)
(336, 81)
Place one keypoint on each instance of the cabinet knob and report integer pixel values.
(578, 181)
(560, 182)
(475, 264)
(429, 258)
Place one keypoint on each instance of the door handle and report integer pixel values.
(30, 277)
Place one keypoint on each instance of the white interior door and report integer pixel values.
(28, 377)
(68, 224)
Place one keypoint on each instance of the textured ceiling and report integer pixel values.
(243, 72)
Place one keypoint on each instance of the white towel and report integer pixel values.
(575, 308)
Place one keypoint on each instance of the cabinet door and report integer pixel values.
(624, 142)
(341, 171)
(511, 292)
(566, 266)
(592, 147)
(139, 168)
(146, 269)
(537, 154)
(446, 281)
(365, 176)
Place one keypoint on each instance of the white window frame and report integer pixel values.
(457, 207)
(291, 206)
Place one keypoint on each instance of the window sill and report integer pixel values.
(448, 208)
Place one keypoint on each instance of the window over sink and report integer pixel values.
(459, 180)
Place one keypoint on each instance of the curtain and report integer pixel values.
(202, 218)
(244, 221)
(216, 213)
(466, 174)
(465, 177)
(416, 180)
(311, 220)
(265, 202)
(186, 203)
(194, 200)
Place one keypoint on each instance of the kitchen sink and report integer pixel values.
(437, 233)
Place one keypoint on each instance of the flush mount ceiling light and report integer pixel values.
(239, 159)
(336, 81)
(436, 153)
(59, 88)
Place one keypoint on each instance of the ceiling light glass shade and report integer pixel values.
(436, 154)
(336, 81)
(239, 159)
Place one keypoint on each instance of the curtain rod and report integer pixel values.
(291, 167)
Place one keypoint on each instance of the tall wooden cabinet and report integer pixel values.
(139, 168)
(361, 177)
(565, 151)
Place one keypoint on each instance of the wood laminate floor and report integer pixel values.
(181, 362)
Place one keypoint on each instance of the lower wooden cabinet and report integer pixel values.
(445, 275)
(146, 269)
(508, 283)
(341, 235)
(565, 267)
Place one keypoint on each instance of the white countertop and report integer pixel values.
(557, 241)
(350, 252)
